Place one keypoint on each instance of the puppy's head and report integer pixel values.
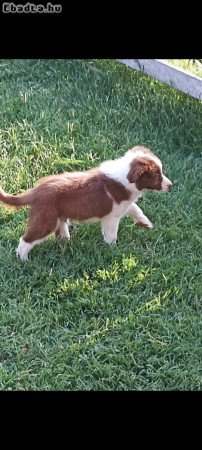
(146, 171)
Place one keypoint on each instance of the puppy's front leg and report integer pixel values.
(110, 229)
(138, 216)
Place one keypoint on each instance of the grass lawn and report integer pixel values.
(88, 316)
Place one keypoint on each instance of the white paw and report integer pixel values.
(111, 240)
(109, 231)
(64, 231)
(23, 257)
(144, 222)
(63, 239)
(23, 249)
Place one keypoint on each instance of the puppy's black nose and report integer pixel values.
(170, 186)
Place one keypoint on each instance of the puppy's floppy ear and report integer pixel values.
(137, 168)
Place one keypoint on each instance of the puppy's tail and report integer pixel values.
(18, 201)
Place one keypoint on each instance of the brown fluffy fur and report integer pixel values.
(146, 174)
(67, 196)
(82, 196)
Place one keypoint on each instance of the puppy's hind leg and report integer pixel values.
(62, 230)
(41, 224)
(24, 247)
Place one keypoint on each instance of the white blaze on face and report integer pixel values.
(118, 169)
(166, 183)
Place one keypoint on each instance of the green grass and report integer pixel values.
(88, 316)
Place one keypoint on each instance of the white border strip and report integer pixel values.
(173, 76)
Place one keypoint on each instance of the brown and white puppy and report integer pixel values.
(106, 194)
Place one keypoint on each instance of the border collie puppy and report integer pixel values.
(106, 194)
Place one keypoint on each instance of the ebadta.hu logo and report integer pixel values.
(14, 8)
